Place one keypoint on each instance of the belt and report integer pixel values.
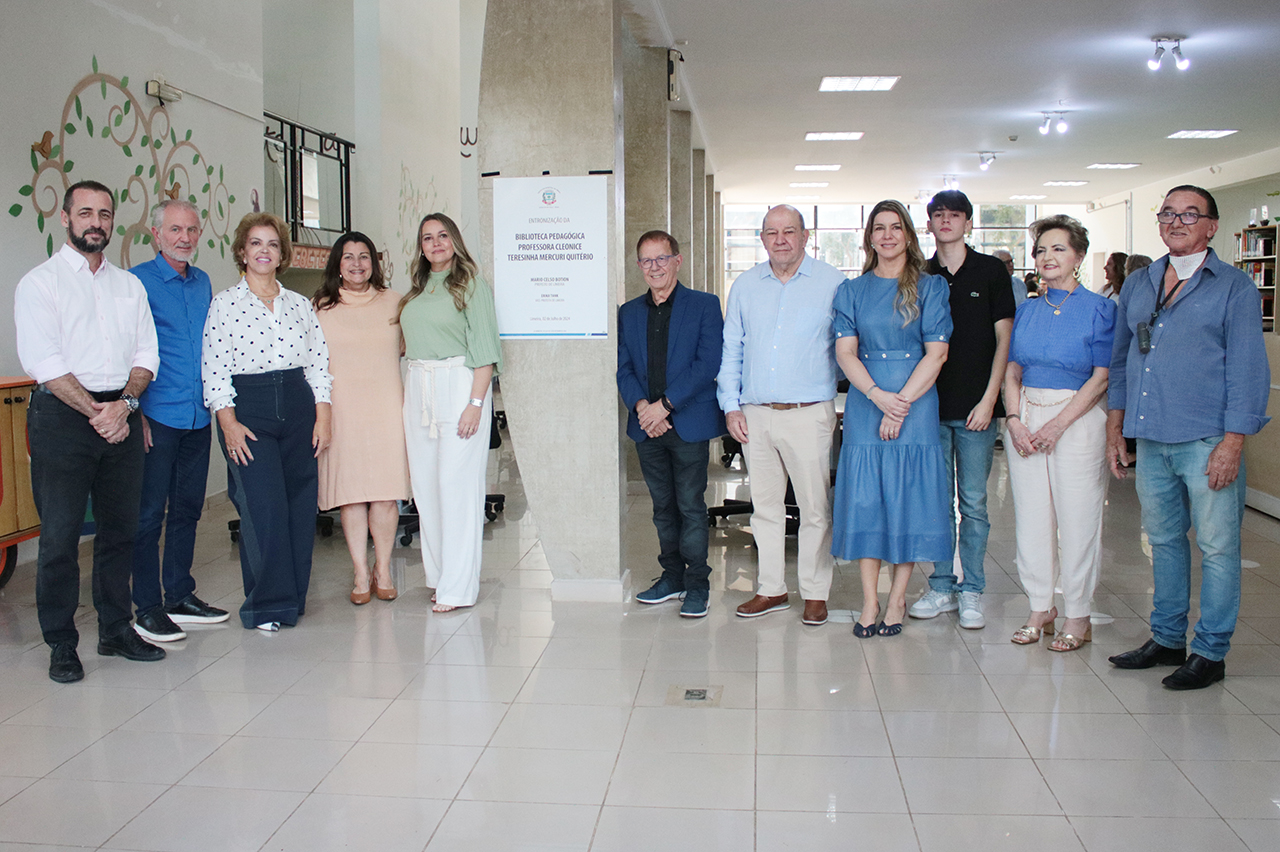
(786, 406)
(98, 396)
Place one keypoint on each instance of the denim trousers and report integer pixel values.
(1174, 492)
(275, 494)
(173, 477)
(70, 462)
(676, 473)
(969, 456)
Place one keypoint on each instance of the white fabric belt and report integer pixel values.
(427, 393)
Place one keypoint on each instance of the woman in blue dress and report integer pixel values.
(892, 326)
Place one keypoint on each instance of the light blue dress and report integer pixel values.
(891, 496)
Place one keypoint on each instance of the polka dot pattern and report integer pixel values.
(244, 337)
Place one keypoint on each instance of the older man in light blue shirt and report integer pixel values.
(777, 387)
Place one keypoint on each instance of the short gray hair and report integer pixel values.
(157, 212)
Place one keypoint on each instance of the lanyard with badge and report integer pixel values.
(1162, 299)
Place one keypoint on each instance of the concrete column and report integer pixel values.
(697, 249)
(711, 241)
(644, 122)
(550, 101)
(721, 289)
(680, 147)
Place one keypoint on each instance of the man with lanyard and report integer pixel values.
(969, 404)
(669, 344)
(86, 335)
(176, 432)
(777, 388)
(1189, 380)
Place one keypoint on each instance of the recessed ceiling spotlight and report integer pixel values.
(857, 84)
(833, 136)
(985, 159)
(803, 197)
(833, 167)
(1065, 182)
(1113, 166)
(1200, 134)
(821, 184)
(1026, 197)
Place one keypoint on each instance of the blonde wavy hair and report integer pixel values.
(906, 303)
(460, 276)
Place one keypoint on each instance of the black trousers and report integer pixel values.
(70, 462)
(275, 494)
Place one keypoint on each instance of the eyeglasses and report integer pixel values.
(650, 262)
(1166, 217)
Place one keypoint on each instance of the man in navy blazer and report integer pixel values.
(669, 344)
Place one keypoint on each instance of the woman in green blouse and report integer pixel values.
(451, 342)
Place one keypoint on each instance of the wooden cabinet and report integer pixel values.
(1256, 255)
(18, 518)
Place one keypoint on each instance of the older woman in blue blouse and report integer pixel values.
(1054, 388)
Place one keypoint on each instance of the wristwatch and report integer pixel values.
(131, 401)
(478, 403)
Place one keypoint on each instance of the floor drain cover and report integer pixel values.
(694, 696)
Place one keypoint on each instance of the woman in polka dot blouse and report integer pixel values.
(266, 378)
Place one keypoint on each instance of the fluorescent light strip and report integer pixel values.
(820, 184)
(803, 197)
(1065, 182)
(1200, 134)
(835, 167)
(1026, 197)
(857, 84)
(1113, 166)
(833, 136)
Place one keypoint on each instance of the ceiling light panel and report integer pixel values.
(1065, 182)
(833, 136)
(1026, 197)
(803, 197)
(812, 167)
(819, 184)
(1200, 134)
(857, 84)
(1113, 166)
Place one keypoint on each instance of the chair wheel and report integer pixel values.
(406, 540)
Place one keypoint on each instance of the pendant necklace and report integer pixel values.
(1056, 307)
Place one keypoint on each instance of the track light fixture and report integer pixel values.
(985, 159)
(1180, 61)
(1061, 124)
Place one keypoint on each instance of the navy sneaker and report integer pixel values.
(695, 604)
(663, 590)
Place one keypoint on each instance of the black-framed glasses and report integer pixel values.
(650, 262)
(1166, 217)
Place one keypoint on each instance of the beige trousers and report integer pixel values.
(1058, 502)
(795, 443)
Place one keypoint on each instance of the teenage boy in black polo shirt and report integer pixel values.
(969, 405)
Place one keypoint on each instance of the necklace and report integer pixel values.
(1056, 308)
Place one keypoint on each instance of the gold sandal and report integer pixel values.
(1069, 642)
(1028, 635)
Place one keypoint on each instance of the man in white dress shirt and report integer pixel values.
(85, 333)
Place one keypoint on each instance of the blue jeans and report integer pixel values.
(676, 473)
(1174, 491)
(175, 474)
(969, 455)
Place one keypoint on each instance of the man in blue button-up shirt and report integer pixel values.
(1189, 380)
(175, 429)
(777, 388)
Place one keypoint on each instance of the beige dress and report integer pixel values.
(366, 461)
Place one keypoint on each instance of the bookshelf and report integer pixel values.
(1256, 257)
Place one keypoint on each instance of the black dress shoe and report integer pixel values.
(131, 646)
(64, 663)
(156, 626)
(1150, 654)
(1197, 673)
(192, 610)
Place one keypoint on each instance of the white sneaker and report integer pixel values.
(933, 604)
(971, 611)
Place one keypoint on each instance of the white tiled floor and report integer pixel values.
(528, 724)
